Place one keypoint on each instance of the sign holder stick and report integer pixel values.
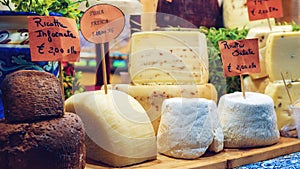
(242, 86)
(104, 68)
(61, 79)
(286, 88)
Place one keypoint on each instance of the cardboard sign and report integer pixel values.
(239, 56)
(53, 39)
(263, 9)
(102, 23)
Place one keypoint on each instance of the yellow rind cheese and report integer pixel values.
(283, 56)
(281, 100)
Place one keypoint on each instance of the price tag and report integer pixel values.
(263, 9)
(102, 23)
(53, 39)
(239, 56)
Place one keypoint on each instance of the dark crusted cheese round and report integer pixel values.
(53, 144)
(30, 95)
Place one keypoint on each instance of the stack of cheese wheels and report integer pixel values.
(189, 127)
(36, 132)
(257, 82)
(282, 59)
(166, 64)
(118, 130)
(248, 122)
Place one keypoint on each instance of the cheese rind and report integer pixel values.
(283, 56)
(249, 121)
(168, 57)
(118, 129)
(151, 97)
(186, 129)
(282, 103)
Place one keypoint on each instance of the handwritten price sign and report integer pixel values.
(53, 39)
(239, 56)
(102, 23)
(263, 9)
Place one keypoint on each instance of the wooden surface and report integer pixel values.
(229, 158)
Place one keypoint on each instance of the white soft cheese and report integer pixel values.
(188, 127)
(249, 122)
(119, 132)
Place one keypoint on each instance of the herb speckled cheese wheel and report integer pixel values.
(168, 57)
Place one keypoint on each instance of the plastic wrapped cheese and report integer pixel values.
(188, 127)
(119, 132)
(168, 57)
(152, 96)
(283, 56)
(248, 122)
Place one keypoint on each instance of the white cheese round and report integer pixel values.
(188, 127)
(248, 122)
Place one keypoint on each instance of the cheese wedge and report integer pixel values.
(283, 56)
(256, 85)
(282, 101)
(262, 34)
(168, 57)
(151, 97)
(119, 132)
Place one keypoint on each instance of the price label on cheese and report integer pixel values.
(263, 9)
(239, 56)
(102, 23)
(53, 39)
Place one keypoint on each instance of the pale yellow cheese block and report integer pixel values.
(262, 62)
(262, 34)
(151, 97)
(118, 130)
(256, 85)
(235, 15)
(283, 56)
(168, 57)
(281, 100)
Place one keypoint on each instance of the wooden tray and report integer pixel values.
(229, 158)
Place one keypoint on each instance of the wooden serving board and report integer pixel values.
(229, 158)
